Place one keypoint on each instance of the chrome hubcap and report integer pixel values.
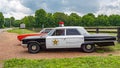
(34, 47)
(88, 46)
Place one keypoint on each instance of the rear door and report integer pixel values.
(74, 39)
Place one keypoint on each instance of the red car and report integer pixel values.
(42, 32)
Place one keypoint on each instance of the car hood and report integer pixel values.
(35, 37)
(22, 36)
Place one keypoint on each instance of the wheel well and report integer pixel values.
(33, 42)
(88, 43)
(91, 43)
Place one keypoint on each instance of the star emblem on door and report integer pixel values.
(55, 42)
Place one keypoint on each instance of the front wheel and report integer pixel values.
(33, 48)
(88, 48)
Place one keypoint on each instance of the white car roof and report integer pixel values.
(69, 27)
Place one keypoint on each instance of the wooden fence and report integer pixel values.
(101, 30)
(115, 30)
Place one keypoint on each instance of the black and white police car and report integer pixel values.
(67, 37)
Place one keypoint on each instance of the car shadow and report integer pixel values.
(57, 50)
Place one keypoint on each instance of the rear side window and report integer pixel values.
(72, 32)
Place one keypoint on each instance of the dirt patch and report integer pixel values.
(1, 65)
(10, 48)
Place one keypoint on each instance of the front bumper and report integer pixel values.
(24, 45)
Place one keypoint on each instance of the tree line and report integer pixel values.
(44, 19)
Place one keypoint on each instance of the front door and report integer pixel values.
(56, 40)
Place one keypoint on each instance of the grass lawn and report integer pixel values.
(21, 31)
(108, 48)
(81, 62)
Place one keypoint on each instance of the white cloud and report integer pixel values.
(14, 8)
(109, 7)
(69, 12)
(21, 8)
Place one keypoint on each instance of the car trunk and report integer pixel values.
(100, 39)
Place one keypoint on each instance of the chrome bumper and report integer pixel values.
(24, 45)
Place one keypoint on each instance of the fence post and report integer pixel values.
(118, 34)
(97, 30)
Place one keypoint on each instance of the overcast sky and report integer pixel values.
(21, 8)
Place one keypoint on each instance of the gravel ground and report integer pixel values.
(10, 48)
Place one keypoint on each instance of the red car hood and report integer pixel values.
(22, 36)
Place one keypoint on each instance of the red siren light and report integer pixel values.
(61, 24)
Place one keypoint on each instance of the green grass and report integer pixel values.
(81, 62)
(108, 48)
(21, 31)
(117, 46)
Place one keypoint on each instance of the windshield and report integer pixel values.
(50, 33)
(45, 30)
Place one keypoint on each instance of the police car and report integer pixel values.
(67, 37)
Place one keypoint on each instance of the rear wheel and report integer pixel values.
(88, 48)
(33, 47)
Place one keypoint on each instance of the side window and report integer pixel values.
(72, 32)
(59, 32)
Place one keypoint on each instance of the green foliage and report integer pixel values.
(40, 17)
(12, 21)
(21, 31)
(29, 21)
(17, 23)
(102, 20)
(114, 20)
(1, 20)
(88, 20)
(7, 22)
(44, 19)
(59, 16)
(49, 20)
(81, 62)
(74, 19)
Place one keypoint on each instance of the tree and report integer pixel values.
(114, 20)
(7, 22)
(29, 21)
(50, 20)
(1, 20)
(88, 20)
(58, 16)
(74, 19)
(102, 20)
(40, 17)
(17, 23)
(12, 20)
